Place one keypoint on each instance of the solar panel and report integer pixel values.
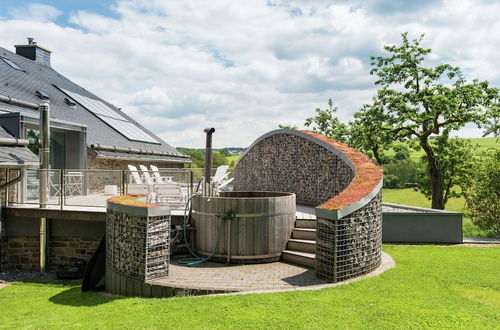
(130, 130)
(111, 117)
(93, 105)
(12, 64)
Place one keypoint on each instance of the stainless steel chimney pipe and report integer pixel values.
(44, 178)
(208, 159)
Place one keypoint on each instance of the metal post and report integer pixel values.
(208, 159)
(7, 179)
(62, 188)
(228, 240)
(44, 177)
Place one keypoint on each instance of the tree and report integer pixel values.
(287, 126)
(417, 101)
(326, 123)
(367, 131)
(33, 138)
(485, 193)
(456, 159)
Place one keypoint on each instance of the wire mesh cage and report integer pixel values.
(350, 246)
(138, 247)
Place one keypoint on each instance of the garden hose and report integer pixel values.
(196, 259)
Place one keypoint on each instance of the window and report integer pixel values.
(12, 64)
(42, 95)
(111, 117)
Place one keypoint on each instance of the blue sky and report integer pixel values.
(244, 66)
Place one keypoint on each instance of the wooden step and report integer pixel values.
(302, 245)
(304, 233)
(299, 258)
(305, 223)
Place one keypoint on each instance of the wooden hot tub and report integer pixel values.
(254, 225)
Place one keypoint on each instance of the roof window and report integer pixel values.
(42, 95)
(12, 64)
(70, 102)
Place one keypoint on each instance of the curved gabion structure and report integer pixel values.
(343, 184)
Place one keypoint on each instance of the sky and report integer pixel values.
(244, 67)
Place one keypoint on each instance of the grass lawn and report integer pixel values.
(431, 287)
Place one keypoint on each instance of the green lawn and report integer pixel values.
(431, 287)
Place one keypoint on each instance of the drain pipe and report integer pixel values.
(44, 178)
(208, 160)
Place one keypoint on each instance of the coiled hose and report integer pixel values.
(196, 259)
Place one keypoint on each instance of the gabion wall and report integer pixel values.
(293, 162)
(289, 163)
(350, 246)
(136, 246)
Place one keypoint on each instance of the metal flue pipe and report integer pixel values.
(44, 177)
(208, 161)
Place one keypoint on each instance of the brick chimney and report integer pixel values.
(34, 52)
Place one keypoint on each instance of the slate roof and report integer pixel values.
(15, 156)
(22, 85)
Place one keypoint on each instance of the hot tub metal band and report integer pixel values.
(245, 215)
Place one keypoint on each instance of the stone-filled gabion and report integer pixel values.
(350, 246)
(343, 184)
(136, 246)
(287, 162)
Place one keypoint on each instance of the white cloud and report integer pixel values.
(244, 67)
(35, 12)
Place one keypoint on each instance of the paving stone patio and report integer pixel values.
(276, 276)
(235, 278)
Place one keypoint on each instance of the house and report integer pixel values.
(86, 131)
(90, 139)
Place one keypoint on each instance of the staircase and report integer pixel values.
(301, 248)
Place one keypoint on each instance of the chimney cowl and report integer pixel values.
(34, 52)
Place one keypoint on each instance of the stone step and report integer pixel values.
(299, 258)
(302, 245)
(305, 223)
(304, 233)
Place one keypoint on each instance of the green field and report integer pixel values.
(232, 158)
(480, 145)
(431, 287)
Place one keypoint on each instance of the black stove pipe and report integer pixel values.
(208, 155)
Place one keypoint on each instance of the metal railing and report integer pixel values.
(91, 188)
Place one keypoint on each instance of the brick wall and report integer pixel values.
(290, 163)
(22, 252)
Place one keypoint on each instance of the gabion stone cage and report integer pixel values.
(350, 246)
(137, 246)
(342, 184)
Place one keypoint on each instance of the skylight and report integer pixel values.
(12, 64)
(70, 102)
(111, 117)
(42, 95)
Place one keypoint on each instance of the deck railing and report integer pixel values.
(91, 188)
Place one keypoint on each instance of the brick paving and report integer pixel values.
(237, 278)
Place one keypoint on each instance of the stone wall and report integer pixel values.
(112, 164)
(289, 163)
(350, 246)
(22, 252)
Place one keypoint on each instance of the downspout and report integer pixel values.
(44, 178)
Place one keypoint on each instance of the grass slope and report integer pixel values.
(431, 287)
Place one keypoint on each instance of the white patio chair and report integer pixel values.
(157, 176)
(145, 173)
(138, 187)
